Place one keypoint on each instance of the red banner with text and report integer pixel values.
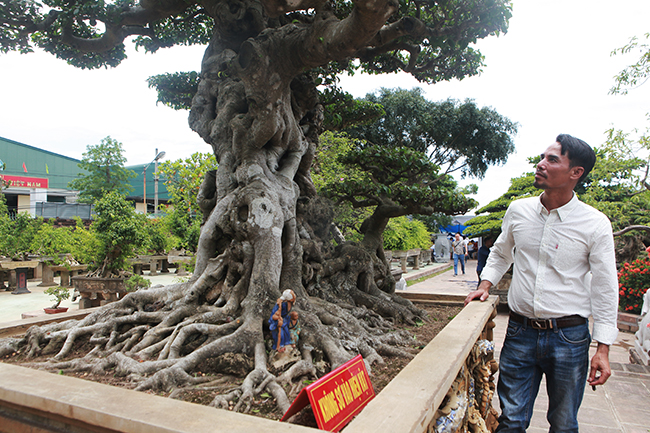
(25, 182)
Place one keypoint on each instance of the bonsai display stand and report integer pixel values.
(96, 291)
(156, 264)
(18, 274)
(404, 255)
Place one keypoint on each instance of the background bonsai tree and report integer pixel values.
(120, 232)
(183, 179)
(456, 136)
(393, 182)
(58, 294)
(256, 102)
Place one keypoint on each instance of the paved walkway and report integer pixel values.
(622, 405)
(16, 307)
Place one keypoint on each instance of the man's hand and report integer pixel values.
(600, 363)
(481, 293)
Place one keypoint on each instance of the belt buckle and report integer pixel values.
(539, 324)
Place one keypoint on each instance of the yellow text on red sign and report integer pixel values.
(334, 402)
(339, 396)
(336, 397)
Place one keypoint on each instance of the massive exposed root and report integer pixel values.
(161, 337)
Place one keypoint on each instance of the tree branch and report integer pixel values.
(631, 228)
(131, 22)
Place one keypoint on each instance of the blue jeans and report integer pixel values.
(457, 258)
(562, 355)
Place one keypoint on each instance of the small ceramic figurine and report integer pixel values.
(294, 328)
(280, 319)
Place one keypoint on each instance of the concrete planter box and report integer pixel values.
(32, 400)
(96, 291)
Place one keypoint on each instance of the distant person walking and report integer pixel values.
(482, 256)
(460, 250)
(471, 247)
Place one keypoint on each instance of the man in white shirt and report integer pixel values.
(564, 271)
(460, 251)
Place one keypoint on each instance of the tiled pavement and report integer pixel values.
(622, 405)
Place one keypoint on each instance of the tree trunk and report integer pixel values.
(267, 231)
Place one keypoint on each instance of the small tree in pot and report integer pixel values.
(120, 231)
(58, 294)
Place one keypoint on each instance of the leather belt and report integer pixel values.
(560, 322)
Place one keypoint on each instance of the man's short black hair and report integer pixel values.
(580, 154)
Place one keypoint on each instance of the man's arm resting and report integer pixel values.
(480, 293)
(600, 363)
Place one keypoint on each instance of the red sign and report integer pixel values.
(25, 182)
(336, 397)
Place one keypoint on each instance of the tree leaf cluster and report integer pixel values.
(433, 39)
(183, 178)
(403, 233)
(120, 232)
(104, 171)
(456, 136)
(175, 90)
(637, 73)
(396, 177)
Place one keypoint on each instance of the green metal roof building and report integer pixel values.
(137, 183)
(39, 182)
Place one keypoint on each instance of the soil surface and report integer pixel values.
(233, 370)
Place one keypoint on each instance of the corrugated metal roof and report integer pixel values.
(61, 169)
(28, 161)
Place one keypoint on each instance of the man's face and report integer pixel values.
(554, 171)
(457, 237)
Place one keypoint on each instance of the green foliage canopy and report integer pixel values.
(399, 177)
(104, 171)
(618, 184)
(403, 233)
(430, 40)
(456, 136)
(120, 232)
(637, 73)
(183, 178)
(328, 169)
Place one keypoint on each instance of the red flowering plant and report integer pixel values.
(633, 282)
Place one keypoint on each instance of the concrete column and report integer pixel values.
(48, 276)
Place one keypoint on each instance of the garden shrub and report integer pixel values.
(633, 282)
(404, 234)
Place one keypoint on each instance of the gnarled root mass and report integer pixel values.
(168, 338)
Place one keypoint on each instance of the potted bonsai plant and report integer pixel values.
(119, 231)
(58, 294)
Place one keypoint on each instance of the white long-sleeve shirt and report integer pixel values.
(564, 263)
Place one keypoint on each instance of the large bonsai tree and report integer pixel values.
(256, 103)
